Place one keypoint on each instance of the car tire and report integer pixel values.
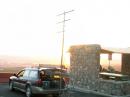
(28, 91)
(11, 86)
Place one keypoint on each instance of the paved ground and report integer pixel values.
(5, 92)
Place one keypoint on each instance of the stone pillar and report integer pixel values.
(84, 66)
(126, 64)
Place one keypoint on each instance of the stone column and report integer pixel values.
(126, 64)
(84, 66)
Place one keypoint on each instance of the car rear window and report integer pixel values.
(56, 72)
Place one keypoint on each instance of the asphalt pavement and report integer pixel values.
(5, 92)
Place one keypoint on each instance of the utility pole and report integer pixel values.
(63, 39)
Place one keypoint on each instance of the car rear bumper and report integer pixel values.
(39, 90)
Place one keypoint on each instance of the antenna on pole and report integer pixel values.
(63, 30)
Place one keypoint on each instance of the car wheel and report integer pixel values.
(28, 92)
(11, 86)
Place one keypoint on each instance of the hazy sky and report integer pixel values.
(28, 27)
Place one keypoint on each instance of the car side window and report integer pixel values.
(20, 74)
(33, 74)
(26, 73)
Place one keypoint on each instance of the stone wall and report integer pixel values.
(112, 87)
(84, 72)
(84, 66)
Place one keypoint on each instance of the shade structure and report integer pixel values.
(115, 50)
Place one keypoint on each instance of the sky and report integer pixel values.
(29, 27)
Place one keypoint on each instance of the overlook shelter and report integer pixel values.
(85, 71)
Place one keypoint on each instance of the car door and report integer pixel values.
(17, 79)
(23, 80)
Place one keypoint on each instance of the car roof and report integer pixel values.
(39, 69)
(49, 68)
(42, 68)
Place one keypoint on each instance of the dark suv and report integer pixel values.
(40, 81)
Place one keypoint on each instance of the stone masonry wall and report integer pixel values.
(84, 66)
(112, 87)
(84, 72)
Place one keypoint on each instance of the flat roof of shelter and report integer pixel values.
(115, 50)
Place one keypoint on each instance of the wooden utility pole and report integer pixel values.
(63, 31)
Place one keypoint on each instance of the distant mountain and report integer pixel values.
(15, 61)
(116, 64)
(18, 61)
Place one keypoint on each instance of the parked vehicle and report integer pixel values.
(40, 81)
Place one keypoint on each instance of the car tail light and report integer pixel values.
(66, 79)
(56, 76)
(39, 82)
